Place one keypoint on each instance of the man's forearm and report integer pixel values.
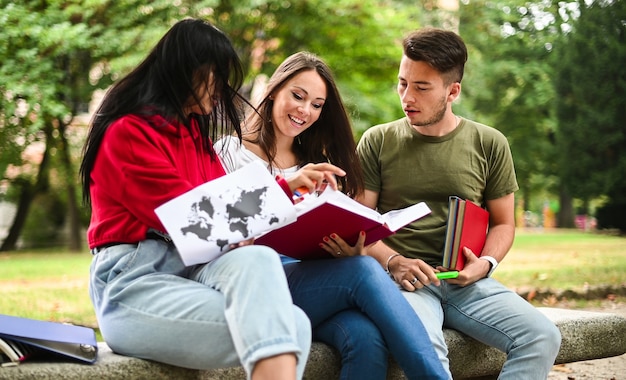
(499, 241)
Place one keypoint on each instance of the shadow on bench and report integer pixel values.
(585, 336)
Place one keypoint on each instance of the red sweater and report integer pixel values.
(138, 168)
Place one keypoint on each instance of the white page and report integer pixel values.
(394, 219)
(397, 219)
(203, 222)
(340, 199)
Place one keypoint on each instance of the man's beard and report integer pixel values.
(436, 118)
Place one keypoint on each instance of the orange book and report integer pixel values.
(335, 212)
(471, 224)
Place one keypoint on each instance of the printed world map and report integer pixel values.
(238, 210)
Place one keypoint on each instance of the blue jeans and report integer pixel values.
(490, 313)
(354, 306)
(233, 311)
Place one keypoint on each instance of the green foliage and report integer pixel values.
(359, 39)
(508, 81)
(44, 221)
(591, 83)
(57, 53)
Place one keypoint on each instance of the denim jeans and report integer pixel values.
(233, 311)
(490, 313)
(356, 307)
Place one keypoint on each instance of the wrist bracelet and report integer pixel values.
(492, 262)
(388, 260)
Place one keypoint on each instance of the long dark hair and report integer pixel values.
(330, 138)
(172, 74)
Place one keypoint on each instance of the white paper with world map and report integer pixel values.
(238, 206)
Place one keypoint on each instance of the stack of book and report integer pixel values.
(467, 227)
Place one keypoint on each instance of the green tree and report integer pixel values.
(508, 84)
(359, 39)
(55, 54)
(591, 83)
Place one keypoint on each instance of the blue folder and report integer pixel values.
(70, 341)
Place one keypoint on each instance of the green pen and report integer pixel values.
(447, 275)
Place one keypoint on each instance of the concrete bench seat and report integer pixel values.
(585, 336)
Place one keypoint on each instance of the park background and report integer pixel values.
(548, 74)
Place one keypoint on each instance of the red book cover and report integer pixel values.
(335, 212)
(473, 232)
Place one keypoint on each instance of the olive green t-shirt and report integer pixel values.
(404, 167)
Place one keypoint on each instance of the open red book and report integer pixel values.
(334, 212)
(467, 227)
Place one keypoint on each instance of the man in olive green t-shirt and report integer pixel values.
(430, 155)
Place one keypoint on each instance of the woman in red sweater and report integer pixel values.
(150, 141)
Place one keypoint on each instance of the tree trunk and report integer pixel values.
(74, 243)
(565, 216)
(23, 205)
(27, 194)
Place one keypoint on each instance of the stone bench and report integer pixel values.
(585, 336)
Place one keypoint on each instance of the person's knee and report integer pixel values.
(367, 263)
(256, 257)
(549, 336)
(303, 323)
(303, 332)
(366, 267)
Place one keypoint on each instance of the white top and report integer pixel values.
(235, 155)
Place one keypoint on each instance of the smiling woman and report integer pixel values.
(352, 303)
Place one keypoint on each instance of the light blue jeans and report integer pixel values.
(490, 313)
(355, 307)
(233, 311)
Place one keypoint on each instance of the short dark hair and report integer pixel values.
(442, 49)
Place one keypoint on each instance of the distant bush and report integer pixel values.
(45, 221)
(612, 216)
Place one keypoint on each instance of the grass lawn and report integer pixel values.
(564, 259)
(52, 284)
(48, 285)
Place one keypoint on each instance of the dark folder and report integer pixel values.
(63, 340)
